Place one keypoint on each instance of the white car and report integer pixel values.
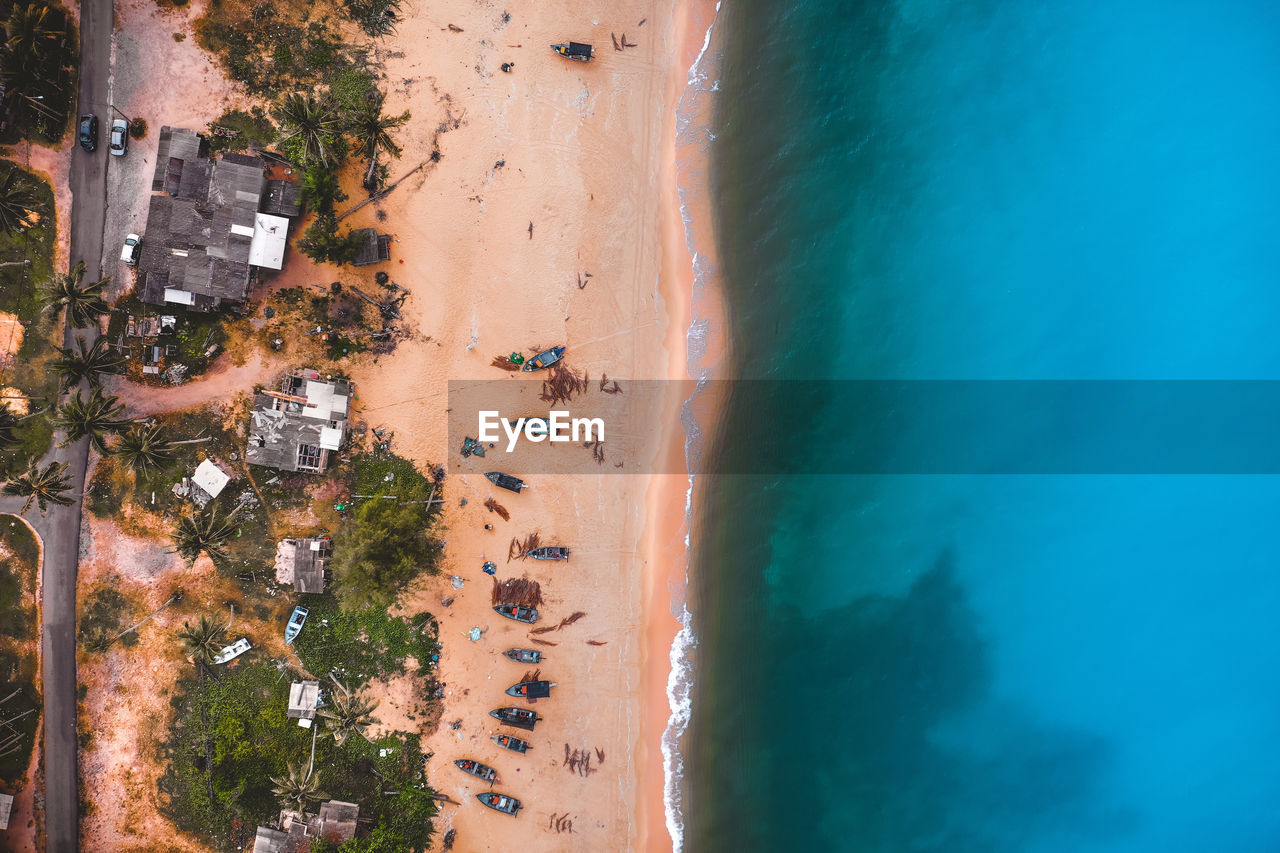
(132, 249)
(119, 137)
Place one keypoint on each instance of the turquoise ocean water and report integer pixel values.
(991, 190)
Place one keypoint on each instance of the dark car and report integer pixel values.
(89, 132)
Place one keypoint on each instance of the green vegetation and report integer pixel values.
(101, 616)
(19, 199)
(203, 533)
(253, 745)
(19, 698)
(388, 542)
(93, 417)
(86, 363)
(39, 66)
(375, 17)
(82, 301)
(24, 260)
(42, 486)
(236, 130)
(364, 645)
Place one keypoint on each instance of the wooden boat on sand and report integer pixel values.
(574, 50)
(512, 743)
(550, 552)
(531, 689)
(523, 655)
(476, 769)
(506, 481)
(546, 358)
(521, 718)
(296, 620)
(500, 802)
(528, 615)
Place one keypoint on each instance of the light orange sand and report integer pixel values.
(586, 154)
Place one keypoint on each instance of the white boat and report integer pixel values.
(233, 651)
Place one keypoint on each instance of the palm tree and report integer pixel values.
(299, 787)
(29, 35)
(86, 363)
(17, 200)
(372, 132)
(203, 641)
(84, 302)
(347, 714)
(43, 486)
(94, 418)
(314, 121)
(205, 533)
(144, 447)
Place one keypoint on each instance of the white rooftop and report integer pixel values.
(210, 478)
(270, 234)
(181, 297)
(330, 438)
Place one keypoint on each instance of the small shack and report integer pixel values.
(208, 481)
(269, 840)
(374, 247)
(301, 563)
(304, 696)
(336, 822)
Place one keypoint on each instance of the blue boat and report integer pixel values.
(544, 360)
(296, 621)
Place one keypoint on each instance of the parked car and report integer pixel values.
(89, 132)
(119, 137)
(132, 249)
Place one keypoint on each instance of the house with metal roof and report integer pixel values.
(304, 698)
(208, 229)
(301, 563)
(298, 427)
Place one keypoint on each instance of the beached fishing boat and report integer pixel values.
(550, 552)
(500, 802)
(545, 359)
(512, 743)
(574, 50)
(233, 651)
(531, 689)
(294, 628)
(476, 769)
(518, 613)
(520, 718)
(524, 655)
(506, 481)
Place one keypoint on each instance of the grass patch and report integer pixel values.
(363, 646)
(245, 129)
(17, 679)
(19, 555)
(251, 739)
(102, 616)
(27, 370)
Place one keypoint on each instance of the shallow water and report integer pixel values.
(1013, 190)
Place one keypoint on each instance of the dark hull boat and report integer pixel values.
(531, 689)
(476, 769)
(550, 552)
(500, 802)
(576, 51)
(528, 615)
(506, 481)
(520, 718)
(512, 743)
(523, 655)
(543, 360)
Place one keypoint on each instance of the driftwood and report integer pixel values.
(383, 193)
(494, 506)
(597, 642)
(609, 386)
(520, 548)
(542, 642)
(503, 362)
(521, 591)
(562, 385)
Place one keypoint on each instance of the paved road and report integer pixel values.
(60, 529)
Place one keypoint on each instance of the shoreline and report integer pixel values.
(693, 305)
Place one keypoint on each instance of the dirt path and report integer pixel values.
(222, 383)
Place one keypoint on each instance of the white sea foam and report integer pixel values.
(681, 678)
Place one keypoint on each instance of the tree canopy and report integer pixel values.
(386, 544)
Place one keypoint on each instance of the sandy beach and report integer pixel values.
(551, 217)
